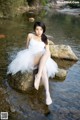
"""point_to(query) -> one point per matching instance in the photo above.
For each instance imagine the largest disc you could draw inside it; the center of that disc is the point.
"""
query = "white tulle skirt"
(24, 61)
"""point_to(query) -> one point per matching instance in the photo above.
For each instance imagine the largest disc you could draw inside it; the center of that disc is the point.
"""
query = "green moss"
(44, 2)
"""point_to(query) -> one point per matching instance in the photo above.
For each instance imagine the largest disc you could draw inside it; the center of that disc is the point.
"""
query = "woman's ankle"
(36, 82)
(47, 93)
(48, 100)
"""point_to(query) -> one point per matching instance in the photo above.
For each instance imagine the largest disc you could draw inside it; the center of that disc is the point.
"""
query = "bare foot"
(37, 82)
(48, 100)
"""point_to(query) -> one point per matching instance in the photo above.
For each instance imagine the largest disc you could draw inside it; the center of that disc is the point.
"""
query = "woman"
(37, 55)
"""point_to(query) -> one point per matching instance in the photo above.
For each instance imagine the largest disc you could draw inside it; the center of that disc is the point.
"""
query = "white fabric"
(24, 59)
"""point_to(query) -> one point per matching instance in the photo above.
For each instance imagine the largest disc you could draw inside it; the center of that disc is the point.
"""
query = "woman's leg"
(42, 63)
(45, 82)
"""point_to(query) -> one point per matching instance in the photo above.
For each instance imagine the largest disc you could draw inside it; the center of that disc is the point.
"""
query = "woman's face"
(38, 31)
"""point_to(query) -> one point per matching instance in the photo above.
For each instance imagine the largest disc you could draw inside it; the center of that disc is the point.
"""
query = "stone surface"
(25, 82)
(61, 74)
(22, 82)
(31, 19)
(62, 52)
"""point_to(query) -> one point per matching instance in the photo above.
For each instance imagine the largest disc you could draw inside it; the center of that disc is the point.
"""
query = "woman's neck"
(38, 37)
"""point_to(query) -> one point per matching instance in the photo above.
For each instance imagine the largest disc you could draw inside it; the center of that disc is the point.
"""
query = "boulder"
(62, 52)
(61, 74)
(51, 43)
(31, 19)
(25, 82)
(22, 82)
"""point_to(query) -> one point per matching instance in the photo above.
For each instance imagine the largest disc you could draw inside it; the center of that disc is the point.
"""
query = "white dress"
(24, 60)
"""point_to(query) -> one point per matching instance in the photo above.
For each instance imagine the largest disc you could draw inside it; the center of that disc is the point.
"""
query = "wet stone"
(25, 82)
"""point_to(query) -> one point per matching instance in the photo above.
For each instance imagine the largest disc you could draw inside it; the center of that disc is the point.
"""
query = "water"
(65, 29)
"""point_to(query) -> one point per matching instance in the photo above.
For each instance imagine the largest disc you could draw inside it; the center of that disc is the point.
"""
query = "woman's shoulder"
(30, 35)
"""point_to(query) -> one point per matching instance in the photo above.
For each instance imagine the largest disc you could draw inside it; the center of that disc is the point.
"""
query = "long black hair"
(42, 25)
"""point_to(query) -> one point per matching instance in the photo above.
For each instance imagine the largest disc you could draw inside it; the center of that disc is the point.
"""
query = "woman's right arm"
(29, 36)
(28, 39)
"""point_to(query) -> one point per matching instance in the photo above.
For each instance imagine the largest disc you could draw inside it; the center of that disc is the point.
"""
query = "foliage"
(74, 5)
(44, 2)
(37, 2)
(8, 7)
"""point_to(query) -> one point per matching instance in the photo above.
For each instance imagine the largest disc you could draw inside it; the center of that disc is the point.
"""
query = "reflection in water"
(65, 30)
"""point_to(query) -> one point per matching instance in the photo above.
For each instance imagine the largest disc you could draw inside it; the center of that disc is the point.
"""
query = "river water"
(65, 29)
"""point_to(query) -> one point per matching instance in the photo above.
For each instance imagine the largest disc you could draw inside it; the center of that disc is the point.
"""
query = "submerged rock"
(25, 82)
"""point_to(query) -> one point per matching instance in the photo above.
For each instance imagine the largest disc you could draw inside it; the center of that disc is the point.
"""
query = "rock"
(25, 82)
(62, 52)
(31, 19)
(12, 109)
(22, 82)
(61, 74)
(65, 64)
(50, 42)
(22, 9)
